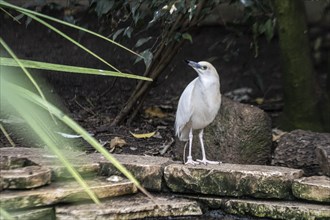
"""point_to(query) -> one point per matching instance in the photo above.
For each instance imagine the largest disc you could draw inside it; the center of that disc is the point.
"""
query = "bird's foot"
(191, 161)
(205, 162)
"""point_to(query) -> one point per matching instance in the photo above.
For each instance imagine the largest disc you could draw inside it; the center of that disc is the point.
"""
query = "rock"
(17, 156)
(147, 170)
(232, 180)
(323, 158)
(130, 207)
(269, 209)
(63, 192)
(41, 213)
(239, 134)
(297, 149)
(13, 162)
(25, 178)
(314, 188)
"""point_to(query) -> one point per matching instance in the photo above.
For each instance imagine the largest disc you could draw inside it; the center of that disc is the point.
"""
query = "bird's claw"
(191, 161)
(205, 162)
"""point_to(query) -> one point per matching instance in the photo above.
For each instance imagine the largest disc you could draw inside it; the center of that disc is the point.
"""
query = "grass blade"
(3, 3)
(68, 38)
(79, 130)
(42, 129)
(65, 68)
(11, 53)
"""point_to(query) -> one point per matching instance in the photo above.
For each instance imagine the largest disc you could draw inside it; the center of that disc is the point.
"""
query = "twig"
(10, 15)
(86, 109)
(7, 136)
(166, 147)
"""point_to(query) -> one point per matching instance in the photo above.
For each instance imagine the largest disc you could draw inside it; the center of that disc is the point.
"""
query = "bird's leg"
(189, 158)
(204, 160)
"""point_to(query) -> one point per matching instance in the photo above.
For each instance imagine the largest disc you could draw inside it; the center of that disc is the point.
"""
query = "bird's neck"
(209, 81)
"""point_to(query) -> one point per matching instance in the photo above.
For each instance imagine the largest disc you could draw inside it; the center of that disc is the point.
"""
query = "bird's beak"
(193, 64)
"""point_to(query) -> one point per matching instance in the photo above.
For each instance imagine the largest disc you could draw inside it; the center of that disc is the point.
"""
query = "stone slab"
(130, 207)
(268, 209)
(38, 156)
(34, 214)
(63, 192)
(232, 180)
(314, 188)
(146, 169)
(25, 178)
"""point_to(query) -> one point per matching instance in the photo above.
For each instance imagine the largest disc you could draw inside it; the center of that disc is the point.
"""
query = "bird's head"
(203, 68)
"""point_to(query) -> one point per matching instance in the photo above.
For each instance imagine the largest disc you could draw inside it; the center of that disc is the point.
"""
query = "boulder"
(297, 149)
(240, 133)
(323, 158)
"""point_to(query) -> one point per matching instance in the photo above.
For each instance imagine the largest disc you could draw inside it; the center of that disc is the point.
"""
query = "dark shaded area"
(299, 83)
(94, 101)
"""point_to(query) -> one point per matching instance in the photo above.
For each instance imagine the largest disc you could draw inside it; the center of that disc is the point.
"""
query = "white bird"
(198, 106)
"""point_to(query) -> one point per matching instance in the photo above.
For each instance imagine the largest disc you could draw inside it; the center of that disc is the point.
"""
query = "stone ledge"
(232, 180)
(37, 156)
(130, 207)
(146, 169)
(41, 213)
(25, 178)
(268, 209)
(63, 192)
(314, 188)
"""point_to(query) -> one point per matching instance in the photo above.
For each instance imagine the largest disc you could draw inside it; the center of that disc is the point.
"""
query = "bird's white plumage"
(199, 102)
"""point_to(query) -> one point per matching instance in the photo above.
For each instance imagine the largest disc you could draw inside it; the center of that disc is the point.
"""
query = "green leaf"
(187, 36)
(115, 35)
(5, 4)
(269, 29)
(128, 31)
(142, 41)
(147, 58)
(103, 6)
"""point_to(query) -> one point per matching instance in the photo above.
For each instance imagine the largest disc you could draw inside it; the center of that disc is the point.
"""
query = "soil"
(94, 101)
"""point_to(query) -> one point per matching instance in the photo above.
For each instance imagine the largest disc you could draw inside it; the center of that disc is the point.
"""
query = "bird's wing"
(184, 112)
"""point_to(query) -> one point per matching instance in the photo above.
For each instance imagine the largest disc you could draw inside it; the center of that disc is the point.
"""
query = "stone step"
(130, 207)
(38, 156)
(47, 213)
(314, 188)
(232, 180)
(268, 209)
(25, 178)
(63, 192)
(146, 169)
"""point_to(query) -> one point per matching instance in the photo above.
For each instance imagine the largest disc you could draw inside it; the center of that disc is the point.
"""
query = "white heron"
(198, 106)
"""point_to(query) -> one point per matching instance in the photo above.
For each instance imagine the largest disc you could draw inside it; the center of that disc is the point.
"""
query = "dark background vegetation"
(241, 42)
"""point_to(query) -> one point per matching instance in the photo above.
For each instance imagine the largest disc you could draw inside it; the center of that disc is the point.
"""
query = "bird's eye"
(204, 67)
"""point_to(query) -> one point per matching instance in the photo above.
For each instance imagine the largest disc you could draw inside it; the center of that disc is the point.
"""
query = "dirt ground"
(93, 101)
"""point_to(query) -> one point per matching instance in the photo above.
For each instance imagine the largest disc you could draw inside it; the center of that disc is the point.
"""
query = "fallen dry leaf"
(145, 135)
(116, 142)
(154, 112)
(259, 101)
(277, 134)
